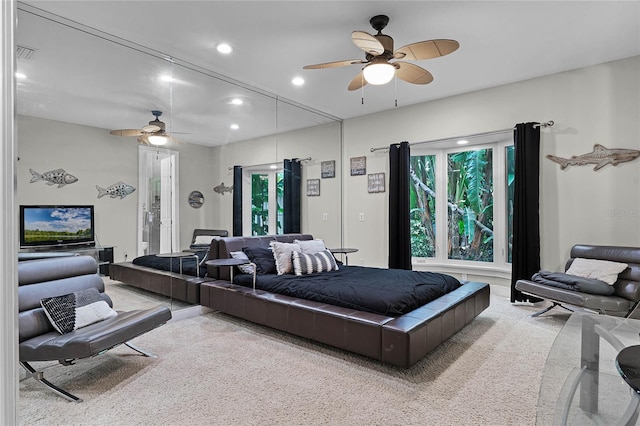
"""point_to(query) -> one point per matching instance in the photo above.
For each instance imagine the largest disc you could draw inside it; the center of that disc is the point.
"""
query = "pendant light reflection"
(157, 140)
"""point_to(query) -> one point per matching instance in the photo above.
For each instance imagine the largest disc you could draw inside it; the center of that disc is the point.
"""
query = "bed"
(161, 274)
(400, 333)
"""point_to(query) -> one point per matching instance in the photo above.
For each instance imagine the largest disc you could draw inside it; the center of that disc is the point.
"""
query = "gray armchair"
(40, 341)
(625, 300)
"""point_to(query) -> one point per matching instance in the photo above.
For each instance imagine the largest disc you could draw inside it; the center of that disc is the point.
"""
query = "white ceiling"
(77, 77)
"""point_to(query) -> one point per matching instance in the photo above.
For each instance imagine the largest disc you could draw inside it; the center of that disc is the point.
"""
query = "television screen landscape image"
(56, 225)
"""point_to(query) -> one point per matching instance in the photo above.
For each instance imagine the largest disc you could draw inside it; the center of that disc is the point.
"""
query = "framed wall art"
(358, 166)
(313, 187)
(328, 169)
(376, 182)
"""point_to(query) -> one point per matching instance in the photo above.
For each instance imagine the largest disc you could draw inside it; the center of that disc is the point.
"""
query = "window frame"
(498, 144)
(272, 176)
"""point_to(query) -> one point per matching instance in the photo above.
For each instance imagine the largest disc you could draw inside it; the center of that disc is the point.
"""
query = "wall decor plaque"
(376, 182)
(196, 199)
(358, 166)
(328, 169)
(313, 187)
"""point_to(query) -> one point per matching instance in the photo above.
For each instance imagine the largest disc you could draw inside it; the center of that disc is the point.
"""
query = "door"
(157, 206)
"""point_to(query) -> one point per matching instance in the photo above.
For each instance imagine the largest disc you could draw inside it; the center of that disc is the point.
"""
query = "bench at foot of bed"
(400, 341)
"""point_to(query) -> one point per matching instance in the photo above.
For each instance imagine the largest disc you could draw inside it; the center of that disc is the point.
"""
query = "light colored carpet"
(214, 369)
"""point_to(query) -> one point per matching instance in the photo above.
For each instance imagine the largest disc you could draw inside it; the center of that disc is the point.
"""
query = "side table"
(231, 263)
(182, 255)
(344, 251)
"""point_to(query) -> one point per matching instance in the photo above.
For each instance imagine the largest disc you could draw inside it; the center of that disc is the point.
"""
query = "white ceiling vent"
(24, 52)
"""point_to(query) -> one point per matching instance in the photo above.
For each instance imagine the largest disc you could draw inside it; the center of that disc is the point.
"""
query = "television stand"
(102, 254)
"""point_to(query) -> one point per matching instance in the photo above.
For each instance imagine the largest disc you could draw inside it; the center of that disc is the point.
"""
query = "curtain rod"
(493, 132)
(275, 162)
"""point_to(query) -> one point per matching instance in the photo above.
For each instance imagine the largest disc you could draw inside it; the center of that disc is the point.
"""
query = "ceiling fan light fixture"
(377, 74)
(157, 140)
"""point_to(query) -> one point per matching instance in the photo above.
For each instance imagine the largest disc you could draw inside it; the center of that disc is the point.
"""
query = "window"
(457, 215)
(266, 202)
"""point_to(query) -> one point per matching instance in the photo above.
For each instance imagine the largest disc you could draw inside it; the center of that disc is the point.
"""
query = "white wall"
(97, 158)
(599, 104)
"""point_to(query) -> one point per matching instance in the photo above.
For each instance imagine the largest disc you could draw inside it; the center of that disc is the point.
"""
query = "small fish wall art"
(53, 177)
(600, 156)
(221, 189)
(119, 189)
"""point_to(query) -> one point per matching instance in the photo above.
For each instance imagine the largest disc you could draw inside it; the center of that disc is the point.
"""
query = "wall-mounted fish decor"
(53, 177)
(600, 156)
(221, 189)
(119, 189)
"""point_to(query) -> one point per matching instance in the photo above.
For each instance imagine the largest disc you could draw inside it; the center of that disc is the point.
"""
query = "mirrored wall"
(76, 84)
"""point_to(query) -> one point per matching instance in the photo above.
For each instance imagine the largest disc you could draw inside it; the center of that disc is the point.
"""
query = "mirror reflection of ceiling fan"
(379, 51)
(152, 134)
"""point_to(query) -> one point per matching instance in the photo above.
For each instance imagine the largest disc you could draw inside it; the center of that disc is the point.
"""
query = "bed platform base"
(171, 284)
(400, 341)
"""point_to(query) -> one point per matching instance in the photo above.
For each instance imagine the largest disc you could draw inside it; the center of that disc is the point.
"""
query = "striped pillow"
(310, 263)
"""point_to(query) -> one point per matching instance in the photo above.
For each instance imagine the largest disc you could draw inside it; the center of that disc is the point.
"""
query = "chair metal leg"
(39, 376)
(140, 351)
(548, 308)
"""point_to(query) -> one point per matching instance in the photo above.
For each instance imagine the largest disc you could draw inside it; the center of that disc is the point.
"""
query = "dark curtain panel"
(526, 215)
(399, 234)
(291, 196)
(237, 201)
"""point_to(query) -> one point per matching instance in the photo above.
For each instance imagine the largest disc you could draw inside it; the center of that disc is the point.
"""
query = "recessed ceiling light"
(234, 127)
(236, 101)
(167, 78)
(20, 76)
(298, 81)
(273, 166)
(462, 142)
(224, 48)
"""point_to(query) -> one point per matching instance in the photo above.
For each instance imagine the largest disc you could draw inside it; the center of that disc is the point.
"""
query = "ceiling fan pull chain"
(395, 89)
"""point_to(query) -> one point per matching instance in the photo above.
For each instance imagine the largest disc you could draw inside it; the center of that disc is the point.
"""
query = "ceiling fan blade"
(428, 49)
(334, 64)
(151, 128)
(367, 42)
(126, 132)
(357, 82)
(412, 73)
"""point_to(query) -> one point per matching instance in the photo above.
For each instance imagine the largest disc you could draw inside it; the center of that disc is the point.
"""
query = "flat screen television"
(56, 226)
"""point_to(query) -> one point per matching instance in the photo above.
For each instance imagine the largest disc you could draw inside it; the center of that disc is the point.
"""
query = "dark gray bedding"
(573, 282)
(390, 292)
(172, 264)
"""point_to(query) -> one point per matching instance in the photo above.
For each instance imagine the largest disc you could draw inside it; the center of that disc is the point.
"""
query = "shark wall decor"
(600, 156)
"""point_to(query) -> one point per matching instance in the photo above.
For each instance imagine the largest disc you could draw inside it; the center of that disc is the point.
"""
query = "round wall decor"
(196, 199)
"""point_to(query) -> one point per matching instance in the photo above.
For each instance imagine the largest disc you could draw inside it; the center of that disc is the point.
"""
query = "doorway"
(157, 206)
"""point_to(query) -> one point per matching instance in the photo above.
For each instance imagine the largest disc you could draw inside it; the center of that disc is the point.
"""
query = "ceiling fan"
(152, 134)
(379, 51)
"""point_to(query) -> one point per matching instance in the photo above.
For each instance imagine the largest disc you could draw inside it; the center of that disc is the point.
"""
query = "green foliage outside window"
(470, 198)
(423, 206)
(511, 165)
(259, 204)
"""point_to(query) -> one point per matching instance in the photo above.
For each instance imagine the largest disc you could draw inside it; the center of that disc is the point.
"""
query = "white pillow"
(311, 246)
(203, 239)
(311, 263)
(602, 270)
(282, 256)
(245, 269)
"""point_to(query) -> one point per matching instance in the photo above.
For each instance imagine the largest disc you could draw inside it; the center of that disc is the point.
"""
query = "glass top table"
(581, 384)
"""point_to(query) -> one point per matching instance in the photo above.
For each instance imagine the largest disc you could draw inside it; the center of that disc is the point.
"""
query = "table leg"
(590, 361)
(253, 265)
(231, 274)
